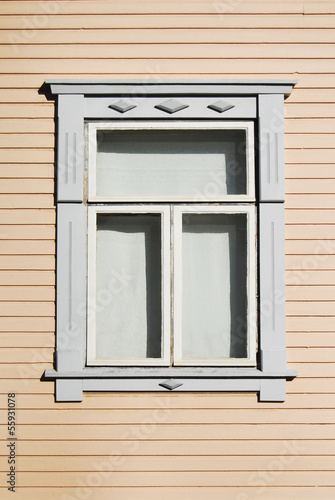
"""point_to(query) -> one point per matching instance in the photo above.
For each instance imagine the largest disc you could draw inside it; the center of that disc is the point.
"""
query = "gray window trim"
(217, 100)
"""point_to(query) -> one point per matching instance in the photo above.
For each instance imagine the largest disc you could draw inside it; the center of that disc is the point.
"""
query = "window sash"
(93, 127)
(175, 309)
(164, 211)
(179, 211)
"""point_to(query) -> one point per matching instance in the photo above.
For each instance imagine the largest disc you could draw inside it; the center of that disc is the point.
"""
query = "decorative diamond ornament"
(170, 384)
(221, 106)
(122, 106)
(172, 106)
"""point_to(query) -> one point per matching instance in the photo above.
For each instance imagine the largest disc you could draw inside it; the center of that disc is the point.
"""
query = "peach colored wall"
(196, 446)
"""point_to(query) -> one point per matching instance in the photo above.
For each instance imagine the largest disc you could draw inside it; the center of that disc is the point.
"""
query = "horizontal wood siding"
(181, 446)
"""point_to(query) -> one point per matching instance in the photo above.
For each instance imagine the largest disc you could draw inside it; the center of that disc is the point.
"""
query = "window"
(211, 263)
(170, 238)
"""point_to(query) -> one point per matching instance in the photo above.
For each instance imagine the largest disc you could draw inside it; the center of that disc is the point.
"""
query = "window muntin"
(171, 162)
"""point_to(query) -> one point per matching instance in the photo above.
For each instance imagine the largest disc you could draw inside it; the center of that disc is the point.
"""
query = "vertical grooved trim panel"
(71, 286)
(272, 286)
(70, 164)
(271, 148)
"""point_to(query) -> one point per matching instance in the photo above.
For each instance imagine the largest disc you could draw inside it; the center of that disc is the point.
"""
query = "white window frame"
(179, 211)
(248, 126)
(175, 271)
(164, 211)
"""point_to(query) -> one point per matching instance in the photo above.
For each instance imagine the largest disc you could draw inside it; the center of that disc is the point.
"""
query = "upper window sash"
(210, 187)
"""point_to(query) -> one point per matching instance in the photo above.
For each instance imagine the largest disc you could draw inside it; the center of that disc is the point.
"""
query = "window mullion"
(177, 283)
(166, 284)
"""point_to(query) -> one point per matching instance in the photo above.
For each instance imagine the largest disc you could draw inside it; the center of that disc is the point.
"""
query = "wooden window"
(154, 162)
(171, 195)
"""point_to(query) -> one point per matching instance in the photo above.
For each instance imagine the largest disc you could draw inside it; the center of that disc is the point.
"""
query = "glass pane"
(192, 164)
(214, 286)
(128, 286)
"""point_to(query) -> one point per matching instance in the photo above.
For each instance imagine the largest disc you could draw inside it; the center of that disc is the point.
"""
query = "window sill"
(270, 385)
